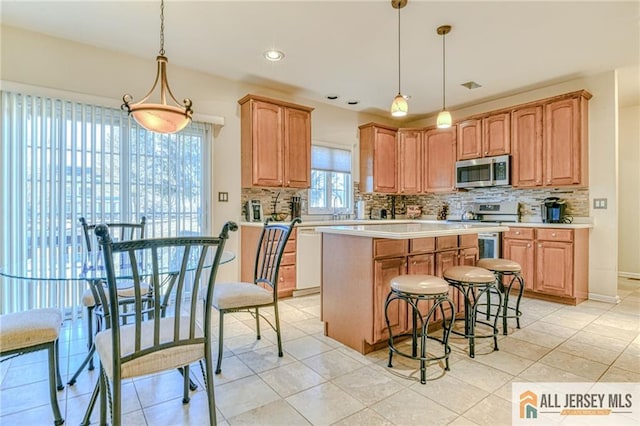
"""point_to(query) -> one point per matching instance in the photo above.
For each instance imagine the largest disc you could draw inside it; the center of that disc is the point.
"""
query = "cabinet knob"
(414, 263)
(528, 245)
(517, 232)
(540, 245)
(486, 153)
(553, 234)
(548, 180)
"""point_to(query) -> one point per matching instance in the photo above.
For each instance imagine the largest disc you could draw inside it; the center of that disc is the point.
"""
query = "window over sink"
(331, 184)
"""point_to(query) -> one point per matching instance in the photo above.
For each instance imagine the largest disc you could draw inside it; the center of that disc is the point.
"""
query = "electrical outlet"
(223, 197)
(599, 203)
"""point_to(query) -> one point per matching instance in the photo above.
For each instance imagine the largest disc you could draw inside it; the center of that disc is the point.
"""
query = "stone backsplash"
(458, 202)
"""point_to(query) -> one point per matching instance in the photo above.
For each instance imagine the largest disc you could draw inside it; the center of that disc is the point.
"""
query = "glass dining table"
(91, 270)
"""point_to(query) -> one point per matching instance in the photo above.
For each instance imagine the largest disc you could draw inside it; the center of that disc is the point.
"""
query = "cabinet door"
(439, 160)
(521, 251)
(554, 268)
(384, 161)
(286, 280)
(444, 261)
(410, 161)
(496, 134)
(423, 264)
(562, 142)
(297, 148)
(526, 162)
(268, 144)
(384, 271)
(468, 256)
(469, 139)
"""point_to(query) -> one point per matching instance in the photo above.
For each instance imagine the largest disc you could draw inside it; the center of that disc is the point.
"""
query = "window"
(331, 187)
(63, 160)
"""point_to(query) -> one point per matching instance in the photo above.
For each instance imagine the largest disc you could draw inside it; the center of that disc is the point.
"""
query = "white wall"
(629, 185)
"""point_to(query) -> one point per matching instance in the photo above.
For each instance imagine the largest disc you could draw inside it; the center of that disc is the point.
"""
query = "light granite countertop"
(415, 229)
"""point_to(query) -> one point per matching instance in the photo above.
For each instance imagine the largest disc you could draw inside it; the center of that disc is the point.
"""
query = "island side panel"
(347, 289)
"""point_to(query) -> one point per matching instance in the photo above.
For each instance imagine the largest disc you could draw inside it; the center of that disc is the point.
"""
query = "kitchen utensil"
(468, 215)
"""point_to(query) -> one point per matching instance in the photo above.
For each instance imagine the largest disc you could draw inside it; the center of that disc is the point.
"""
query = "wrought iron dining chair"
(263, 291)
(153, 340)
(30, 331)
(123, 232)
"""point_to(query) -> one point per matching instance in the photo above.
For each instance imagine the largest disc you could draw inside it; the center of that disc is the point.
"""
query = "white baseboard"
(602, 298)
(631, 275)
(306, 291)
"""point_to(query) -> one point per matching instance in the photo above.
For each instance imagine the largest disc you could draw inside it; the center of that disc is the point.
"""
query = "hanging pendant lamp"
(160, 117)
(399, 106)
(444, 117)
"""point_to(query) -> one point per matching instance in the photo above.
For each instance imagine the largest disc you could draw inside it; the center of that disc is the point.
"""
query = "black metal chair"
(157, 338)
(30, 331)
(508, 273)
(263, 291)
(120, 232)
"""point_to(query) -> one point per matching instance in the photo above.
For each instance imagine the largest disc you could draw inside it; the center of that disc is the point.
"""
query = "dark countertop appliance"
(553, 210)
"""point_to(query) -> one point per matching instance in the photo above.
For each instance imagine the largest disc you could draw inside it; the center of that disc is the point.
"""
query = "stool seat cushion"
(469, 274)
(29, 328)
(419, 284)
(499, 265)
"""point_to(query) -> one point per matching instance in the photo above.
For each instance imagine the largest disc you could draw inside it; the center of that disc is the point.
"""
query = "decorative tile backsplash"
(458, 202)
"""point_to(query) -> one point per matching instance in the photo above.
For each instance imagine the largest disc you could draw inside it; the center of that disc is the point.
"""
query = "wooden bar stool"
(505, 268)
(413, 289)
(474, 282)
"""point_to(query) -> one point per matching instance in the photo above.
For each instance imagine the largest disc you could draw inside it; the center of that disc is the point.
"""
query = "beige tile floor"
(319, 381)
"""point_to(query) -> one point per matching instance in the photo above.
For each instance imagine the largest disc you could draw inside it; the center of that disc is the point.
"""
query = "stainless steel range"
(494, 213)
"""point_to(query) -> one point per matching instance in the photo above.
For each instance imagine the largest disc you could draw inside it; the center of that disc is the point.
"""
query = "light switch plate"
(599, 203)
(223, 197)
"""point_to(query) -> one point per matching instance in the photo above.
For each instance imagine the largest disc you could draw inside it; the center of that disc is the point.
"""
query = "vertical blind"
(62, 160)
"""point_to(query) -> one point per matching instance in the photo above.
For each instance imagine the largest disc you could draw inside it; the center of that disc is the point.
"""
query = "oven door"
(489, 245)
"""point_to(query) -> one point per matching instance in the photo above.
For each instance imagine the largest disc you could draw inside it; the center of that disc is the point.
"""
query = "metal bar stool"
(474, 282)
(505, 268)
(413, 289)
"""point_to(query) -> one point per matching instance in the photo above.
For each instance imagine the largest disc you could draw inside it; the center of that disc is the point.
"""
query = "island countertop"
(402, 231)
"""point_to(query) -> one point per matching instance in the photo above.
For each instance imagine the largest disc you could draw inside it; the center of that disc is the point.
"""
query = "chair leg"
(88, 360)
(275, 310)
(116, 407)
(185, 393)
(86, 420)
(89, 338)
(257, 324)
(103, 399)
(53, 394)
(208, 380)
(58, 377)
(220, 339)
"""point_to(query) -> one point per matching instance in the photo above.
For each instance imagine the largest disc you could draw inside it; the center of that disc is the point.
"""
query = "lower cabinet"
(385, 270)
(249, 236)
(554, 261)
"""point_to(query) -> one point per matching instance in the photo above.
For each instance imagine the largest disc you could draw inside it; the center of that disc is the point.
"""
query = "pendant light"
(444, 118)
(399, 107)
(160, 117)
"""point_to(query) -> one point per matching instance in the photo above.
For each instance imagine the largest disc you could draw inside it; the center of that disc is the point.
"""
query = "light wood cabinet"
(275, 143)
(554, 261)
(249, 236)
(439, 151)
(410, 164)
(484, 136)
(378, 159)
(385, 270)
(550, 142)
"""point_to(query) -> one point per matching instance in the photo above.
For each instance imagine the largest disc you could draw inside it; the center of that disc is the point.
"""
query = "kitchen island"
(358, 262)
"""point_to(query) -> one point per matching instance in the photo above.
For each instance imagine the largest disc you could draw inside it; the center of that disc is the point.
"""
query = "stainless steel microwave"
(479, 172)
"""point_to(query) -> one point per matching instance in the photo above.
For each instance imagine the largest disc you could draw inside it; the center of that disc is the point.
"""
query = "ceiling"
(350, 48)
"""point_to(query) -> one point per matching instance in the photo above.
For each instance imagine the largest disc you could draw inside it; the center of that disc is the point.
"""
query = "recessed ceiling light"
(273, 55)
(353, 102)
(471, 85)
(332, 97)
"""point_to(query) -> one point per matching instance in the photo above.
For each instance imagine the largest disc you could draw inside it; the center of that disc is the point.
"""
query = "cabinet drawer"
(291, 246)
(288, 259)
(548, 234)
(446, 243)
(519, 233)
(287, 278)
(418, 245)
(388, 248)
(469, 240)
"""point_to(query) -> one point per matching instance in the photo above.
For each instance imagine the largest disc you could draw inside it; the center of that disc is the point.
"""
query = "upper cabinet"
(276, 143)
(439, 160)
(484, 136)
(378, 158)
(550, 142)
(410, 163)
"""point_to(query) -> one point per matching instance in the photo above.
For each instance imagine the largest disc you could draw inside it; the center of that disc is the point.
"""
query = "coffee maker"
(552, 210)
